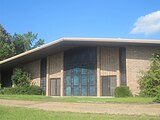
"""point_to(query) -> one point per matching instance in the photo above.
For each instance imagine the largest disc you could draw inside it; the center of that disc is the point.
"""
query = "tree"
(150, 80)
(7, 48)
(4, 35)
(38, 43)
(25, 42)
(18, 43)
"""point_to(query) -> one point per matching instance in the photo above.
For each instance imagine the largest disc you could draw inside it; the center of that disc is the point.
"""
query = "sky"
(54, 19)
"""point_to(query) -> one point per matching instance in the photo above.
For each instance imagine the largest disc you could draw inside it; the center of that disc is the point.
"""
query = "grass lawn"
(129, 100)
(15, 113)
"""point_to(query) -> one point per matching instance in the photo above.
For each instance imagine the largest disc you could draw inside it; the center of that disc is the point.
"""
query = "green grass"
(15, 113)
(25, 97)
(129, 100)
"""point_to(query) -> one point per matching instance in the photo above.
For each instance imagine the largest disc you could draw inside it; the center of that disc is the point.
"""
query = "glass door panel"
(84, 90)
(76, 90)
(84, 80)
(68, 91)
(76, 80)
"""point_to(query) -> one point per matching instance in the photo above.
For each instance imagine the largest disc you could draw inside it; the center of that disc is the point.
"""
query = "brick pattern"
(55, 65)
(34, 69)
(137, 60)
(109, 58)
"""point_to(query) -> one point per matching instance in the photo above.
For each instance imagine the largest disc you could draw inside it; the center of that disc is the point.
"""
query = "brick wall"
(137, 60)
(109, 61)
(34, 69)
(55, 65)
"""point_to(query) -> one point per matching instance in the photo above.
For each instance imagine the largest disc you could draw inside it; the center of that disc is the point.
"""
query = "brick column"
(62, 74)
(47, 79)
(118, 72)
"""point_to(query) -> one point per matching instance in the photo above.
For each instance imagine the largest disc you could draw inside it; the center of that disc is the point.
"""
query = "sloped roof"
(68, 43)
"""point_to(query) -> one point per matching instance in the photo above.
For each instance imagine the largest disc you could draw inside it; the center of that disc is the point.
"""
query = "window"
(80, 72)
(122, 65)
(43, 74)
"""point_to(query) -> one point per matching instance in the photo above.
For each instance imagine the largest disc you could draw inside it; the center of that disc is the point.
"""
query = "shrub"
(122, 91)
(157, 98)
(15, 90)
(35, 90)
(1, 90)
(150, 80)
(9, 91)
(31, 90)
(20, 78)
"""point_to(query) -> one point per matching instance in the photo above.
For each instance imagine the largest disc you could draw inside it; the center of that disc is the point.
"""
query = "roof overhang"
(68, 43)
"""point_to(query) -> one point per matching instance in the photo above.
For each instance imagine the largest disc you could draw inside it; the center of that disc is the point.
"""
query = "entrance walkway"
(130, 109)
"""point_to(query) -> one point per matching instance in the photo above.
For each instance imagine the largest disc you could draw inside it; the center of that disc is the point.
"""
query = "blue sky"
(53, 19)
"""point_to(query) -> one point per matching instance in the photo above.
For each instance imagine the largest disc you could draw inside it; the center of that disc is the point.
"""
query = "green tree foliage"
(18, 43)
(4, 35)
(22, 84)
(20, 78)
(150, 80)
(38, 43)
(7, 48)
(24, 42)
(157, 97)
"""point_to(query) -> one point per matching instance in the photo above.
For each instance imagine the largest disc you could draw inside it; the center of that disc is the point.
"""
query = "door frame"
(56, 79)
(109, 76)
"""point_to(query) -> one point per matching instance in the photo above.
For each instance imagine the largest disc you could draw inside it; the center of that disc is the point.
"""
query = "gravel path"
(130, 109)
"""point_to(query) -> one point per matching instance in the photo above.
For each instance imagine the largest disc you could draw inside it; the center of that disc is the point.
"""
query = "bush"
(122, 91)
(35, 90)
(1, 90)
(15, 90)
(20, 78)
(150, 80)
(157, 98)
(31, 90)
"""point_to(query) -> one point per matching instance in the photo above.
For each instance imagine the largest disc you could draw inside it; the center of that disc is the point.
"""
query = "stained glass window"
(80, 72)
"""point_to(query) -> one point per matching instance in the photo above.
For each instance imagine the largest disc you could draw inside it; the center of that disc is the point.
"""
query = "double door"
(55, 87)
(108, 85)
(80, 81)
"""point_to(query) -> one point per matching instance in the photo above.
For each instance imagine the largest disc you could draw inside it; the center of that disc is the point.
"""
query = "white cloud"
(148, 24)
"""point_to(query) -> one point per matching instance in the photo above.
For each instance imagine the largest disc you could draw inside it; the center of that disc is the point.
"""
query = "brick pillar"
(62, 78)
(47, 78)
(118, 72)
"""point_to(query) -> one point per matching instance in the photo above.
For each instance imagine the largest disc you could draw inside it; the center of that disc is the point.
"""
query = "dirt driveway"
(130, 109)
